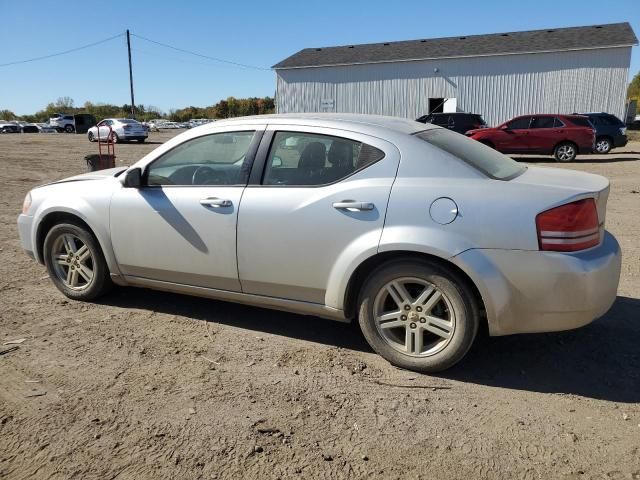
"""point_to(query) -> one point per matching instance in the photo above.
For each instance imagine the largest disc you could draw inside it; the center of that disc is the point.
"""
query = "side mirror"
(133, 178)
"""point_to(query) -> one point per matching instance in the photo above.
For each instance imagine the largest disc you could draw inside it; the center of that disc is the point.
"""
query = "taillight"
(570, 227)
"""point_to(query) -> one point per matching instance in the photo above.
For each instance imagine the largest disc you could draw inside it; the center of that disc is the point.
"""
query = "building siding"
(498, 87)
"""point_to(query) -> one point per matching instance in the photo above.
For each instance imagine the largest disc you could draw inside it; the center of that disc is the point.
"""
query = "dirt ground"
(153, 385)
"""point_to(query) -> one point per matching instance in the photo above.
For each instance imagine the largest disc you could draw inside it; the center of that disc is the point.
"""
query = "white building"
(562, 70)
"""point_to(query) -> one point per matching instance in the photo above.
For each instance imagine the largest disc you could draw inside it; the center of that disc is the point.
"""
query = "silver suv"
(63, 123)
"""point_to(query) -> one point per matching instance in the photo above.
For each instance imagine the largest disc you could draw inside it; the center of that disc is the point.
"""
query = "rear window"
(485, 159)
(580, 121)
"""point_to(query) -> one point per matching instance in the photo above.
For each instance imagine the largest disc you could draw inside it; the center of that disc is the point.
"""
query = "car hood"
(482, 129)
(97, 175)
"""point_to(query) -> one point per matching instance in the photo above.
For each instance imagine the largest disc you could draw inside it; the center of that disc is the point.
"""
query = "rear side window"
(580, 121)
(298, 158)
(485, 159)
(543, 122)
(610, 120)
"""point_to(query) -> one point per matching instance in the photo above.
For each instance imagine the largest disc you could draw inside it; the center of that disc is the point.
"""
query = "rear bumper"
(533, 291)
(620, 141)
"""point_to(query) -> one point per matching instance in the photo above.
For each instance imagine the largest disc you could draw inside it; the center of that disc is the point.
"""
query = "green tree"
(633, 92)
(7, 115)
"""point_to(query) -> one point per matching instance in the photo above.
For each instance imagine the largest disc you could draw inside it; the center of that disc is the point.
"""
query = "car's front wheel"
(603, 145)
(418, 315)
(91, 137)
(75, 262)
(69, 129)
(565, 152)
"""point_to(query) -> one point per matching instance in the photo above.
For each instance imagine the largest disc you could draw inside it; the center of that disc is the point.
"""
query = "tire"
(114, 137)
(453, 316)
(90, 136)
(69, 129)
(565, 152)
(141, 140)
(603, 145)
(81, 278)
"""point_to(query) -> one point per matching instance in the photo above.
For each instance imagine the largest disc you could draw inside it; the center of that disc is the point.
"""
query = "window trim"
(256, 178)
(249, 158)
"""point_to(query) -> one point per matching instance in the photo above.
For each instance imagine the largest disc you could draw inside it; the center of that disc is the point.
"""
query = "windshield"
(490, 162)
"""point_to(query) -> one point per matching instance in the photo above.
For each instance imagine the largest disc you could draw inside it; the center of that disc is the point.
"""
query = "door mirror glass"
(133, 178)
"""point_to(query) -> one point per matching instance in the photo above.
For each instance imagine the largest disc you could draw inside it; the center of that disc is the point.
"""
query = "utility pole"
(133, 103)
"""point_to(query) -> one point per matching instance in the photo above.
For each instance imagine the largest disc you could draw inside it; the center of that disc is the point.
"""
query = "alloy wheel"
(603, 146)
(566, 152)
(414, 317)
(73, 262)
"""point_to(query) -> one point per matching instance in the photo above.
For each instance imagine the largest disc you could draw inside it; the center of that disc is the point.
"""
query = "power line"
(62, 53)
(222, 60)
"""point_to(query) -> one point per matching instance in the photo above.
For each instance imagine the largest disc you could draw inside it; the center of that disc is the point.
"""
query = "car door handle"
(215, 202)
(352, 205)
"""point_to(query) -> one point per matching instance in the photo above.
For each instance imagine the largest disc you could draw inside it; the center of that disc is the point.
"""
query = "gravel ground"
(153, 385)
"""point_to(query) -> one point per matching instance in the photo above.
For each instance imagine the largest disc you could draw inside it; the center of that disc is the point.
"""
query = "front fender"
(89, 205)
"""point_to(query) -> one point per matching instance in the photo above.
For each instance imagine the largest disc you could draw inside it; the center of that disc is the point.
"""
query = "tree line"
(231, 107)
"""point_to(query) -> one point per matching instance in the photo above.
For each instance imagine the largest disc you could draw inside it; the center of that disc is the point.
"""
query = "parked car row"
(25, 127)
(563, 136)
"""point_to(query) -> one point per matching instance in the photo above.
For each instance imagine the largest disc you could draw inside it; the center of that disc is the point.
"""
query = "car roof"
(347, 121)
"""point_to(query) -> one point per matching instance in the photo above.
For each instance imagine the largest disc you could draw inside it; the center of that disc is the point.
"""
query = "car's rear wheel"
(114, 137)
(418, 315)
(91, 138)
(69, 129)
(75, 262)
(565, 152)
(603, 145)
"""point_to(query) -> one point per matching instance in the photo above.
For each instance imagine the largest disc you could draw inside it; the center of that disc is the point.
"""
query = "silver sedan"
(416, 232)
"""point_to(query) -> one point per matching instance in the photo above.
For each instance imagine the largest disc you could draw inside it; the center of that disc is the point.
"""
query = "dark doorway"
(436, 105)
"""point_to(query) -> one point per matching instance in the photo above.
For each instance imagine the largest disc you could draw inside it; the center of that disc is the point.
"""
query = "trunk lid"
(574, 185)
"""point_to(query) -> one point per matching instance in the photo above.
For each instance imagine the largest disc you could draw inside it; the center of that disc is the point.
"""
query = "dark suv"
(458, 122)
(611, 132)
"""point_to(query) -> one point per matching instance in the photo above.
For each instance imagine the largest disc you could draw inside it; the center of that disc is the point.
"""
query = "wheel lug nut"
(412, 325)
(423, 320)
(403, 317)
(419, 309)
(407, 307)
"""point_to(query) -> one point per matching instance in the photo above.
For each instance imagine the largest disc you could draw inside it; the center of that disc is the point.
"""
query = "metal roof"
(533, 41)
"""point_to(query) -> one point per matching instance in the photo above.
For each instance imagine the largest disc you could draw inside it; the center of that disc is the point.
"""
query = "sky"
(257, 33)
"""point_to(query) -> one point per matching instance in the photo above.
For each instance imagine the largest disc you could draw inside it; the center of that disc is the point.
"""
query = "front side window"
(481, 157)
(298, 158)
(543, 122)
(217, 159)
(519, 123)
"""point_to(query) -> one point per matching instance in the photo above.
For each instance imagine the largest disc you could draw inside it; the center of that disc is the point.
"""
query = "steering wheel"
(204, 175)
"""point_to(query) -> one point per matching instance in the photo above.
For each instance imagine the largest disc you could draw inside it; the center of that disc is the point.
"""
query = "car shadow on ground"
(147, 142)
(308, 328)
(601, 360)
(580, 159)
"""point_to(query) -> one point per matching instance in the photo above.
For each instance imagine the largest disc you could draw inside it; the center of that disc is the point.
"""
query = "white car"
(46, 128)
(118, 130)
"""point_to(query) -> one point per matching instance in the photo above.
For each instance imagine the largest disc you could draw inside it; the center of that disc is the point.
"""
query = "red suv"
(564, 136)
